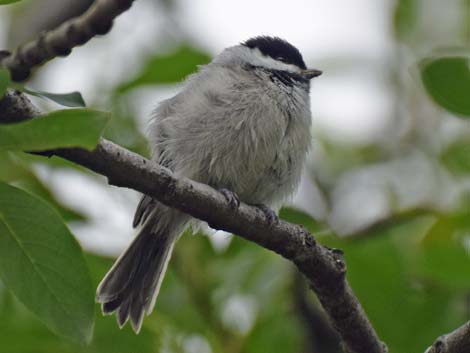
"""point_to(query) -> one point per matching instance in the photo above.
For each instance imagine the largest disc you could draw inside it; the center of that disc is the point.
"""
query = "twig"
(15, 107)
(324, 268)
(97, 20)
(32, 19)
(457, 341)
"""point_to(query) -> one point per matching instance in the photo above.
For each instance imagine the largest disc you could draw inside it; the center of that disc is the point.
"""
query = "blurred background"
(387, 179)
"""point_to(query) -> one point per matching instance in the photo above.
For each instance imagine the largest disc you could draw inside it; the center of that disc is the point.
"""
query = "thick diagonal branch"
(97, 20)
(324, 268)
(457, 341)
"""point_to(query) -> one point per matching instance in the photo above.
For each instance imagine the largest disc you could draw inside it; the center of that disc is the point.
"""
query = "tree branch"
(15, 107)
(32, 19)
(322, 338)
(324, 268)
(457, 341)
(97, 20)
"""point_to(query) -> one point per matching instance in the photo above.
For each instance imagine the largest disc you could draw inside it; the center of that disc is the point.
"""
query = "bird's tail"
(131, 286)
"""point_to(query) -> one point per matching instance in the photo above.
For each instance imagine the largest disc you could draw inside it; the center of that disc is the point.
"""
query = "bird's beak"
(311, 73)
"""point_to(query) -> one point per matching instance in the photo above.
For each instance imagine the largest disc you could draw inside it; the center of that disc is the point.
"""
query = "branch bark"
(320, 335)
(457, 341)
(324, 268)
(32, 19)
(97, 20)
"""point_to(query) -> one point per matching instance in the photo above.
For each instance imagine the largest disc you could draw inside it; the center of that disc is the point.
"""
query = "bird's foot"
(231, 197)
(271, 216)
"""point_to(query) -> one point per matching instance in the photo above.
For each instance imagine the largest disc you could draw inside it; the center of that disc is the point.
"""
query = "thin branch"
(15, 107)
(324, 268)
(321, 337)
(457, 341)
(32, 19)
(97, 20)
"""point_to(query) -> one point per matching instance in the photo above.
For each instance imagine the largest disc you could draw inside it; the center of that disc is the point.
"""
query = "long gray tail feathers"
(131, 286)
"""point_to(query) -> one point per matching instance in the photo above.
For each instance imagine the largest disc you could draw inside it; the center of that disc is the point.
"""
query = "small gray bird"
(240, 124)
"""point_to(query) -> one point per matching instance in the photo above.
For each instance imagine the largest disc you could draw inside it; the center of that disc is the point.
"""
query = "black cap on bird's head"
(281, 50)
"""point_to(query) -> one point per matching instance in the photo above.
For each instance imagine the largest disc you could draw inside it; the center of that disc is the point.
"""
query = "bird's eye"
(281, 58)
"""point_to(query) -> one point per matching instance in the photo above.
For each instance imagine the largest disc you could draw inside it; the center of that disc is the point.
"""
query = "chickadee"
(240, 124)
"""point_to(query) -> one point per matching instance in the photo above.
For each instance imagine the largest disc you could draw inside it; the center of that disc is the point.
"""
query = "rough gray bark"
(321, 337)
(33, 19)
(457, 341)
(324, 268)
(98, 19)
(15, 107)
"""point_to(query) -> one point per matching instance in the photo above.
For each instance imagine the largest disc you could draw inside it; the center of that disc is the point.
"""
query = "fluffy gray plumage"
(240, 123)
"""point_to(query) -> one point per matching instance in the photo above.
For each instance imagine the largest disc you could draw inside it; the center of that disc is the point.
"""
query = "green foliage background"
(410, 270)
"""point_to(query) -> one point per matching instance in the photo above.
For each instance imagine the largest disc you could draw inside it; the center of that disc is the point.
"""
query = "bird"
(241, 124)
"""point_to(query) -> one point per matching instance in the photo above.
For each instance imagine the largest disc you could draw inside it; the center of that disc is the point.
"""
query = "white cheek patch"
(257, 58)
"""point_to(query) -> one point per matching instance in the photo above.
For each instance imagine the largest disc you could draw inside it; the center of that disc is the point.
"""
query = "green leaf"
(4, 81)
(282, 333)
(297, 216)
(404, 18)
(398, 304)
(168, 68)
(22, 332)
(444, 252)
(456, 157)
(447, 81)
(18, 171)
(42, 264)
(72, 99)
(63, 128)
(124, 128)
(6, 2)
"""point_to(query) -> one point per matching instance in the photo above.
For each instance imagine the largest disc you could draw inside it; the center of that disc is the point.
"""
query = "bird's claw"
(231, 197)
(271, 216)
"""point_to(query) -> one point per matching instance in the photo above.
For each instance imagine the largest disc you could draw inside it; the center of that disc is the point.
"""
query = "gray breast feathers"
(247, 135)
